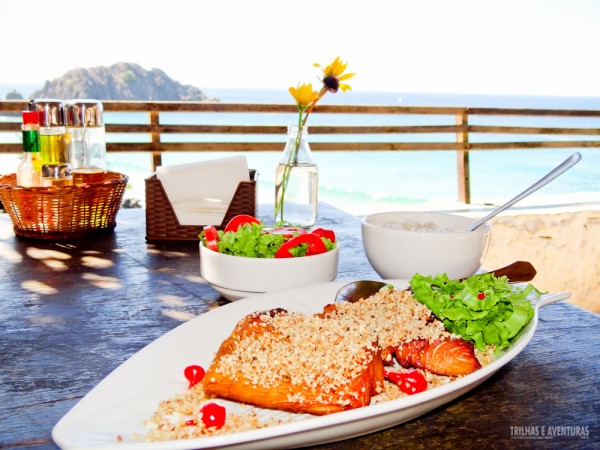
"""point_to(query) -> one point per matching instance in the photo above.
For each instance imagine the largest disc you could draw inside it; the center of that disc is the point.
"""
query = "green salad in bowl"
(247, 257)
(245, 235)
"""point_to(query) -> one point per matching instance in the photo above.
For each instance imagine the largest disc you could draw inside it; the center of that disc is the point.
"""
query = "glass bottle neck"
(294, 129)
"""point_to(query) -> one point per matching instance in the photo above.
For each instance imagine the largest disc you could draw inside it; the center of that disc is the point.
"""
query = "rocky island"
(121, 81)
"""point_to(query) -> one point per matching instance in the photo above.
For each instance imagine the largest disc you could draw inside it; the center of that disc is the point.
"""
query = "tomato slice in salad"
(322, 232)
(315, 246)
(211, 237)
(238, 221)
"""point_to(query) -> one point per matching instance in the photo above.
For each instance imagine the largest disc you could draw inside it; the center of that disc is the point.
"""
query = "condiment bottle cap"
(56, 170)
(83, 113)
(30, 117)
(50, 112)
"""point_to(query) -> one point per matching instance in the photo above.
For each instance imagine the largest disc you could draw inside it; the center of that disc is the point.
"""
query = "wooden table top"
(72, 312)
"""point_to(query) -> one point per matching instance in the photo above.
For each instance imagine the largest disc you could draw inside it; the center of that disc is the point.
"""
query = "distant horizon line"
(16, 85)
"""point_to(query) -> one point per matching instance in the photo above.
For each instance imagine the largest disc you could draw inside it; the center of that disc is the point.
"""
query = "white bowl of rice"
(401, 244)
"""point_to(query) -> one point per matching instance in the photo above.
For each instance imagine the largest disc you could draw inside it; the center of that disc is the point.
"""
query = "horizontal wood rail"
(459, 126)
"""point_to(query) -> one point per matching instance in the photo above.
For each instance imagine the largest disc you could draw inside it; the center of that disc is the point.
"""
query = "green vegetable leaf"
(250, 241)
(483, 308)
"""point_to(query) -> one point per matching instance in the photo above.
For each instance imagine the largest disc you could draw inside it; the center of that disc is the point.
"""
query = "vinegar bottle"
(86, 140)
(29, 170)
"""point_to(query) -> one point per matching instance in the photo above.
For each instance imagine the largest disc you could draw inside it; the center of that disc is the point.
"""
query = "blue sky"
(518, 47)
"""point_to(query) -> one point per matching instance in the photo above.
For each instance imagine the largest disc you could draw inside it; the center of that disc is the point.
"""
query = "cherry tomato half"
(315, 246)
(194, 374)
(238, 221)
(213, 415)
(410, 382)
(322, 232)
(211, 237)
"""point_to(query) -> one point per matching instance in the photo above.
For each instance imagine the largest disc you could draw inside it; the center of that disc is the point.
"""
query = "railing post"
(156, 155)
(462, 157)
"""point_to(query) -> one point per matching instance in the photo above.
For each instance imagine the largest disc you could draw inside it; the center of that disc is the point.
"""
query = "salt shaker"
(56, 175)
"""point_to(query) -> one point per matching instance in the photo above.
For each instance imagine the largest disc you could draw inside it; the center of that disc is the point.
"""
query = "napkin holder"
(161, 221)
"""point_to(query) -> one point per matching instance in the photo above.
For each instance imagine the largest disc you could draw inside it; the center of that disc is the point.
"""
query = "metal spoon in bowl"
(563, 167)
(519, 271)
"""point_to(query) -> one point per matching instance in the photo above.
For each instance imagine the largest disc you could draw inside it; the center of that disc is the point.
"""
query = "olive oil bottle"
(53, 142)
(53, 145)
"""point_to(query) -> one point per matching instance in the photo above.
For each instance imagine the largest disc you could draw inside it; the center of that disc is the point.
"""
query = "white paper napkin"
(201, 192)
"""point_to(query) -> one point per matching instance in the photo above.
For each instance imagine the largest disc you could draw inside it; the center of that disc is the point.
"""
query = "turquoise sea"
(367, 181)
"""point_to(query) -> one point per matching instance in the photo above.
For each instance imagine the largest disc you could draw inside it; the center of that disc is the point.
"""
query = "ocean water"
(369, 181)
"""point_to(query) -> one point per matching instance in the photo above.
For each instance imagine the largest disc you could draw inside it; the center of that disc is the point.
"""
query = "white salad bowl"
(402, 244)
(237, 277)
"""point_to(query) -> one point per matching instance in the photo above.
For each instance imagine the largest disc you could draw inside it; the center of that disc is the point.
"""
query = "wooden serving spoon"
(517, 272)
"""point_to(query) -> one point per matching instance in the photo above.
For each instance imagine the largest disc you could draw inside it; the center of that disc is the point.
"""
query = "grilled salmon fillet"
(332, 361)
(296, 363)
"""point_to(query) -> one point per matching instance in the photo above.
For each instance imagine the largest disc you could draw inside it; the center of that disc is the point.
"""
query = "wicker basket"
(161, 220)
(68, 212)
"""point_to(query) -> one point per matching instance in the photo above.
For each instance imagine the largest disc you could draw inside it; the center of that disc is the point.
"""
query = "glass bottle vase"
(297, 181)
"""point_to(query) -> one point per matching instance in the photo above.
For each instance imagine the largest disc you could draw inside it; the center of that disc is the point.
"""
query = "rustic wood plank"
(10, 127)
(282, 130)
(328, 129)
(533, 112)
(276, 146)
(11, 148)
(532, 145)
(156, 161)
(462, 158)
(149, 147)
(533, 130)
(174, 106)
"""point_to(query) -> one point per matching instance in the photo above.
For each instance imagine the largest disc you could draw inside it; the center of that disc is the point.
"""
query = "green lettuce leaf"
(250, 241)
(483, 309)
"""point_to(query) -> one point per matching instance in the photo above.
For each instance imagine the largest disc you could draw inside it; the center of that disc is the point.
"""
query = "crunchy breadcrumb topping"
(322, 351)
(180, 418)
(313, 352)
(394, 316)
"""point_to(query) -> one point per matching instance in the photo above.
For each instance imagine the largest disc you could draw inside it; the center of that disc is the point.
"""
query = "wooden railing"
(462, 126)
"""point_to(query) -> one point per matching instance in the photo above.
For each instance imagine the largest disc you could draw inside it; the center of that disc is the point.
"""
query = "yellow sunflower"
(304, 95)
(333, 74)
